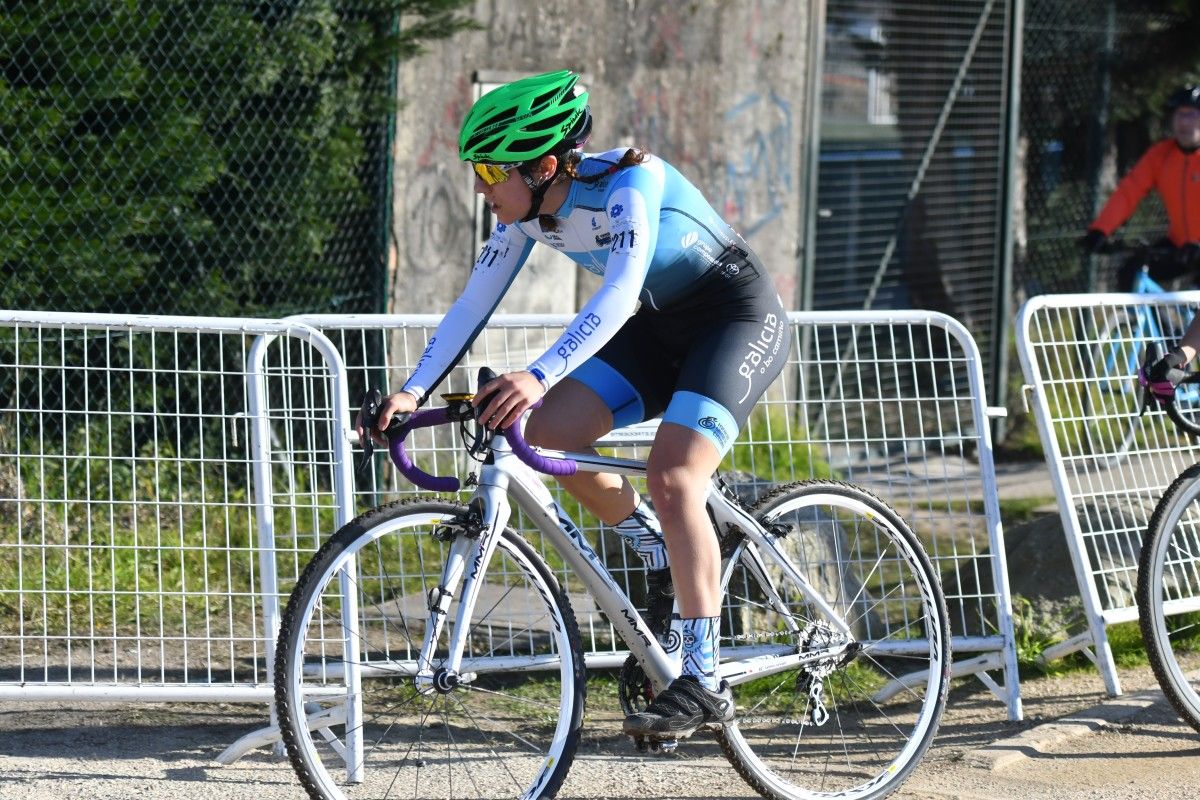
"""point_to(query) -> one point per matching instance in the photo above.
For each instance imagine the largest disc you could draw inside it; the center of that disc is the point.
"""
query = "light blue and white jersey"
(646, 229)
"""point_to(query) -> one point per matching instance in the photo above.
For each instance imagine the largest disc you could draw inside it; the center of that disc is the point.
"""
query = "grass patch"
(1013, 511)
(774, 446)
(1032, 638)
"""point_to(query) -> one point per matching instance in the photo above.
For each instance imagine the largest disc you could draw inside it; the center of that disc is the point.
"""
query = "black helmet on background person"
(1184, 96)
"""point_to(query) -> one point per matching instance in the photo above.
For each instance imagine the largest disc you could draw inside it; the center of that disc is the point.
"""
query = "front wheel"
(1168, 594)
(856, 723)
(506, 725)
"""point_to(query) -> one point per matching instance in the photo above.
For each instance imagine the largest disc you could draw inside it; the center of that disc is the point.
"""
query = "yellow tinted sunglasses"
(491, 174)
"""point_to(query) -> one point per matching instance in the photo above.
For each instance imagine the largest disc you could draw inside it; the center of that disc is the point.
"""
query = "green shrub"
(200, 158)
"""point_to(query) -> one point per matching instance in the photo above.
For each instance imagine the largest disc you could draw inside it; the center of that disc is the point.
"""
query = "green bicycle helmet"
(526, 119)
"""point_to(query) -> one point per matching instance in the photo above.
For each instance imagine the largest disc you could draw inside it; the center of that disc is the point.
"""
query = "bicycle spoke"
(493, 742)
(503, 762)
(818, 726)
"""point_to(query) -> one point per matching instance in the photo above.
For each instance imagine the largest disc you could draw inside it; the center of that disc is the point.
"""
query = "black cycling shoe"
(680, 710)
(660, 601)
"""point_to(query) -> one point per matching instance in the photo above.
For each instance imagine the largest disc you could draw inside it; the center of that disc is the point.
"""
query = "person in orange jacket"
(1172, 167)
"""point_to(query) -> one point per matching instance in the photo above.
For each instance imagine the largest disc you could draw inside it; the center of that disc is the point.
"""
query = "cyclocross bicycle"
(1110, 395)
(389, 683)
(1168, 587)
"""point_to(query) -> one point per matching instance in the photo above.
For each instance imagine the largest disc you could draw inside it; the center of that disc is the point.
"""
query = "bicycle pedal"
(647, 744)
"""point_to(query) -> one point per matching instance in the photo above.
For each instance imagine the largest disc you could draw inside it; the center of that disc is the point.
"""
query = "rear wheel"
(506, 725)
(855, 723)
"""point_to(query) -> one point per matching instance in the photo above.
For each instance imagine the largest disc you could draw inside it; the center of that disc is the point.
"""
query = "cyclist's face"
(509, 199)
(1185, 127)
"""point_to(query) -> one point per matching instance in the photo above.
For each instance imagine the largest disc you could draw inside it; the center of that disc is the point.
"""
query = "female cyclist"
(710, 336)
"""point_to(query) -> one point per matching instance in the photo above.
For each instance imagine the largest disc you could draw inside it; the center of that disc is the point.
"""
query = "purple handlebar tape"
(439, 416)
(550, 466)
(421, 419)
(1161, 390)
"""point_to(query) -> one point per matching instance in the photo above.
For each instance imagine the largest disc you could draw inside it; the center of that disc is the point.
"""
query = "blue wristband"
(541, 376)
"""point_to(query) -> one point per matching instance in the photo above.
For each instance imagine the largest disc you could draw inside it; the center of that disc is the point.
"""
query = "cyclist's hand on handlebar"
(505, 398)
(1092, 241)
(398, 403)
(1161, 377)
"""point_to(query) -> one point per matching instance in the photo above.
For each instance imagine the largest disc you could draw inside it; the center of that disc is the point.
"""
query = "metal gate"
(890, 400)
(134, 561)
(1109, 463)
(910, 193)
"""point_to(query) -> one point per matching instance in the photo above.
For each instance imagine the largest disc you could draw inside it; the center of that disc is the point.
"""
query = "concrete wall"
(716, 88)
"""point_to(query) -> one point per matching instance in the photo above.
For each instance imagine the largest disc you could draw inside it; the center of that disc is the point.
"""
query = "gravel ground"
(54, 751)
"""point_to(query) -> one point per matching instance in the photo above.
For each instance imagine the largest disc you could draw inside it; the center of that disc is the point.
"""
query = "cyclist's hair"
(632, 157)
(570, 166)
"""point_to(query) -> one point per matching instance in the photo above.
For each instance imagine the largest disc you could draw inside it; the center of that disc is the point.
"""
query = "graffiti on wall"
(438, 222)
(759, 177)
(747, 166)
(433, 232)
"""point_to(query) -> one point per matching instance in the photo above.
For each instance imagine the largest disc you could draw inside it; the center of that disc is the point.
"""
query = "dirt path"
(55, 752)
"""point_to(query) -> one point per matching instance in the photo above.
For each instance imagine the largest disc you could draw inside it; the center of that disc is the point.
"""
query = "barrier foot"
(971, 666)
(252, 741)
(1082, 641)
(319, 719)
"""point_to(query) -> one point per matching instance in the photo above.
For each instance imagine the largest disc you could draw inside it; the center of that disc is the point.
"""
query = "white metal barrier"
(144, 464)
(129, 540)
(893, 401)
(1109, 463)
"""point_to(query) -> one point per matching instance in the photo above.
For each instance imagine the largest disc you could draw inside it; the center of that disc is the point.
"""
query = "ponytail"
(569, 167)
(633, 156)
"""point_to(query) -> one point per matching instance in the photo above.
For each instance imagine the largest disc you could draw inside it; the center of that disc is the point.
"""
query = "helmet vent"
(551, 123)
(523, 120)
(531, 144)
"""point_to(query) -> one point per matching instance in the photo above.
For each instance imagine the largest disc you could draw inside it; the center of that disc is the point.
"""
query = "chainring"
(634, 691)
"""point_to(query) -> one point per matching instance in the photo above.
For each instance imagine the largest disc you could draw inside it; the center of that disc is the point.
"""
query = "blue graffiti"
(758, 174)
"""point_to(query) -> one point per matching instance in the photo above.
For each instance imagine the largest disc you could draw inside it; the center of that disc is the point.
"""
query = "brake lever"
(483, 434)
(368, 414)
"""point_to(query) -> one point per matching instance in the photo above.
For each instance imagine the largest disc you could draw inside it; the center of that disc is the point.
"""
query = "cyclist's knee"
(674, 485)
(571, 417)
(542, 430)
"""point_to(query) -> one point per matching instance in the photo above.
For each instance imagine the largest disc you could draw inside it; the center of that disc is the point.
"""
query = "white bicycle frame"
(467, 561)
(506, 476)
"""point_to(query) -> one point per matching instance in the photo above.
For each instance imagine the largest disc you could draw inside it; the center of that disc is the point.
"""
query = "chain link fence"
(216, 158)
(1081, 131)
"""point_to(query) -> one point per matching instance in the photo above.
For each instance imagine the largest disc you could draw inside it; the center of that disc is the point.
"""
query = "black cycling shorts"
(702, 362)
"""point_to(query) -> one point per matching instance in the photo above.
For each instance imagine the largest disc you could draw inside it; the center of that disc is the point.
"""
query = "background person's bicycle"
(834, 637)
(1168, 587)
(1110, 396)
